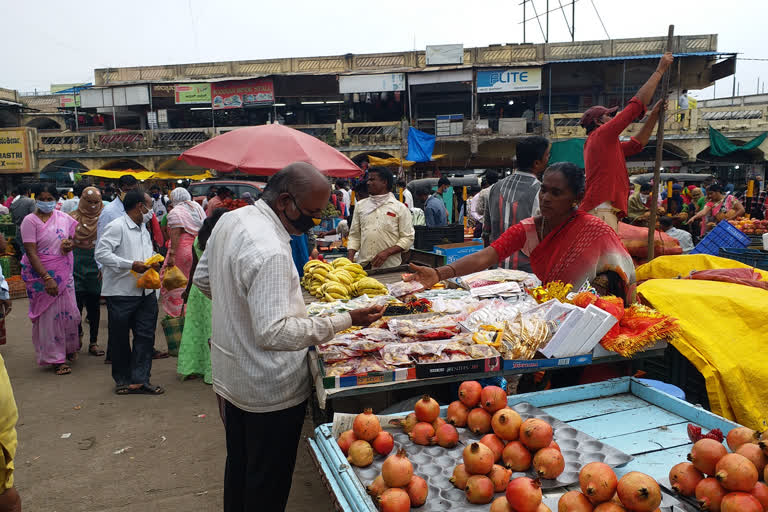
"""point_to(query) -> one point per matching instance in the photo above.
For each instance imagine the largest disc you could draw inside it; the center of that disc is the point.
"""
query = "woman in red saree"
(563, 243)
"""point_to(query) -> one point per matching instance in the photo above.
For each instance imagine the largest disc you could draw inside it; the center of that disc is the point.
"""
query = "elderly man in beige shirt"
(382, 226)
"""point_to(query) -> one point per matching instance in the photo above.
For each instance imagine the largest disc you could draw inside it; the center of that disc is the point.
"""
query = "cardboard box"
(536, 364)
(453, 252)
(427, 370)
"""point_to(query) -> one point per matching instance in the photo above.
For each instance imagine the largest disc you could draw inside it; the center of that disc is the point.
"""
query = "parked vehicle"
(200, 190)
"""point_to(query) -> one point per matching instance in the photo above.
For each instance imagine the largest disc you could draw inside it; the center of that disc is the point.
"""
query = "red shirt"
(604, 160)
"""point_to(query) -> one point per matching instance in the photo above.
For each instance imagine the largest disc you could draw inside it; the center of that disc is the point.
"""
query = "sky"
(53, 42)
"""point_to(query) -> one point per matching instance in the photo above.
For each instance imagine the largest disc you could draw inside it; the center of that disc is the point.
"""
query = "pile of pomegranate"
(397, 489)
(726, 482)
(424, 425)
(365, 439)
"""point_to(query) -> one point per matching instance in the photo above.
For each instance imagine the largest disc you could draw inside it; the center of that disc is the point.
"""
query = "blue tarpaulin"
(420, 145)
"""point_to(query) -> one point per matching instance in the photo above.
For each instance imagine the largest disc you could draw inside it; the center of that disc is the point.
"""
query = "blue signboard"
(503, 80)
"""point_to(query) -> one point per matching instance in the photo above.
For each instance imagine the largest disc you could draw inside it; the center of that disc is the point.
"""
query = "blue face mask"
(46, 206)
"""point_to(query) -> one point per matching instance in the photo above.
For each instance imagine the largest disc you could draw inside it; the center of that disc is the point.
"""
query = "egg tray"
(435, 464)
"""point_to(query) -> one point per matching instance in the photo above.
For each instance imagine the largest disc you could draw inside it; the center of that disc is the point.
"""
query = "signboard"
(372, 83)
(440, 77)
(163, 91)
(192, 93)
(115, 96)
(14, 151)
(69, 88)
(445, 54)
(504, 80)
(69, 100)
(242, 94)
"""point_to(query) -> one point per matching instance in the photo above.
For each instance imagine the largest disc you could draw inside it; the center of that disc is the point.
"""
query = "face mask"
(644, 197)
(46, 206)
(156, 196)
(146, 217)
(304, 222)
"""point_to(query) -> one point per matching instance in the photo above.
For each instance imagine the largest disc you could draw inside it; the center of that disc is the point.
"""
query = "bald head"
(296, 193)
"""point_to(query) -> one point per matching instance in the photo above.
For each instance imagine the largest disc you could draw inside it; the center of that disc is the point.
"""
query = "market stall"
(620, 435)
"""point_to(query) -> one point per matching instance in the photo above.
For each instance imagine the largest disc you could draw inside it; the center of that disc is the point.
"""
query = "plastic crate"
(427, 237)
(722, 236)
(752, 257)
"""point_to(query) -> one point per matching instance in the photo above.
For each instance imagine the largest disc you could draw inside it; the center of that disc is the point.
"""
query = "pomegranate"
(500, 477)
(478, 459)
(501, 505)
(705, 454)
(346, 439)
(447, 436)
(460, 477)
(438, 423)
(422, 433)
(739, 436)
(740, 502)
(426, 409)
(479, 421)
(543, 508)
(496, 445)
(366, 425)
(709, 494)
(535, 434)
(736, 473)
(383, 443)
(469, 393)
(639, 492)
(598, 482)
(493, 398)
(760, 491)
(684, 478)
(479, 489)
(554, 445)
(516, 456)
(548, 463)
(609, 506)
(397, 470)
(574, 501)
(755, 456)
(506, 424)
(765, 474)
(360, 453)
(457, 413)
(406, 423)
(394, 500)
(524, 494)
(377, 487)
(417, 491)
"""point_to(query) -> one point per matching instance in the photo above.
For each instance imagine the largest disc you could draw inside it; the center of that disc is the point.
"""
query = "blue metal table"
(624, 413)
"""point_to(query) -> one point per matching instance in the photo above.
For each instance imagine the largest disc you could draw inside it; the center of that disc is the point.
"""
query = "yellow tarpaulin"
(394, 162)
(723, 332)
(147, 175)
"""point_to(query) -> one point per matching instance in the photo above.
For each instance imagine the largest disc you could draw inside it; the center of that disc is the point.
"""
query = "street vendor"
(261, 332)
(607, 188)
(382, 227)
(564, 243)
(719, 207)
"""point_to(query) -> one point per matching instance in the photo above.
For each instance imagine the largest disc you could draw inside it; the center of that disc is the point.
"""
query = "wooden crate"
(17, 289)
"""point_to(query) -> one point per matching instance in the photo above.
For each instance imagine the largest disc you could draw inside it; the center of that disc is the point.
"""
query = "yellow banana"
(340, 262)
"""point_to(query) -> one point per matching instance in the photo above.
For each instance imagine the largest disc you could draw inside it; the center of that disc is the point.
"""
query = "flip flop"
(160, 355)
(144, 389)
(95, 350)
(62, 369)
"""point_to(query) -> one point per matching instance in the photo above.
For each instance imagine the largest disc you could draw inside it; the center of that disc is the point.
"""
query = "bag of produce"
(149, 280)
(174, 278)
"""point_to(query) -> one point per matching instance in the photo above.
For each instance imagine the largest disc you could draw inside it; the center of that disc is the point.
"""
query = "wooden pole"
(659, 151)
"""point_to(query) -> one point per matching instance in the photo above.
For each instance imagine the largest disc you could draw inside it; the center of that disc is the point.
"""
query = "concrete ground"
(83, 448)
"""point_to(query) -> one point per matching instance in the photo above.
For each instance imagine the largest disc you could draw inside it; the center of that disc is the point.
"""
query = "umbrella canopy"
(264, 150)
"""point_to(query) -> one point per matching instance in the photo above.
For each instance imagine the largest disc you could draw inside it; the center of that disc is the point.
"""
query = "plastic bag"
(150, 280)
(174, 278)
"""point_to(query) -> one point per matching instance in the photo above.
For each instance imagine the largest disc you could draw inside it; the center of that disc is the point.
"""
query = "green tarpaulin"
(719, 145)
(571, 150)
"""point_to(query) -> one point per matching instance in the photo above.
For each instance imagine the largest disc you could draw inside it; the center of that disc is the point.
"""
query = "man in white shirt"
(341, 186)
(124, 246)
(115, 209)
(382, 226)
(684, 237)
(158, 206)
(407, 195)
(260, 334)
(682, 104)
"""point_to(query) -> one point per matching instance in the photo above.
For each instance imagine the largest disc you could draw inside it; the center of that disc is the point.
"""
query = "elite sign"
(518, 79)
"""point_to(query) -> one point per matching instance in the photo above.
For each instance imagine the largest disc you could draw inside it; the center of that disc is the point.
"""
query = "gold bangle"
(47, 276)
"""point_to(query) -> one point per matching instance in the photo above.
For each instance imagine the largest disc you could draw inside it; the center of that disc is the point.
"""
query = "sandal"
(95, 350)
(62, 369)
(160, 355)
(121, 389)
(144, 389)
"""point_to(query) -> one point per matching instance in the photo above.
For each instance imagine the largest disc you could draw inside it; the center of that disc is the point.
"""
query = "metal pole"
(524, 1)
(623, 80)
(213, 118)
(547, 38)
(659, 152)
(733, 93)
(573, 21)
(77, 124)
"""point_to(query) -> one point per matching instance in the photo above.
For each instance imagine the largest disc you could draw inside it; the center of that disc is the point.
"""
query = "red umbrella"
(264, 150)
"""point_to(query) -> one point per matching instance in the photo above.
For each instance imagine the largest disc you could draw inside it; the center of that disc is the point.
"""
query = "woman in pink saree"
(184, 221)
(47, 271)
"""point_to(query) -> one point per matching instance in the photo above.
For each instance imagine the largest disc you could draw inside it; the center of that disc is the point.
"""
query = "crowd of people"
(246, 330)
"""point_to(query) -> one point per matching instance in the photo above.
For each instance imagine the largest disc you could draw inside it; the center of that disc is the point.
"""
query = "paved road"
(172, 446)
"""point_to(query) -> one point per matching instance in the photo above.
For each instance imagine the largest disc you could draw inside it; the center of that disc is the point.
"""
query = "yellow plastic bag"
(156, 258)
(150, 280)
(174, 278)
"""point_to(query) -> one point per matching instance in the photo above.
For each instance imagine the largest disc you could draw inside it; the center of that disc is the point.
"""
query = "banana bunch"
(368, 286)
(315, 273)
(332, 291)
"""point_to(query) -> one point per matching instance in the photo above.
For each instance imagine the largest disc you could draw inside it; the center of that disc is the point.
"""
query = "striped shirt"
(260, 327)
(511, 200)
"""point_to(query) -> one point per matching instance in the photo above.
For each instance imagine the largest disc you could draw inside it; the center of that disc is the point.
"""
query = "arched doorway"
(44, 123)
(62, 172)
(8, 119)
(123, 164)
